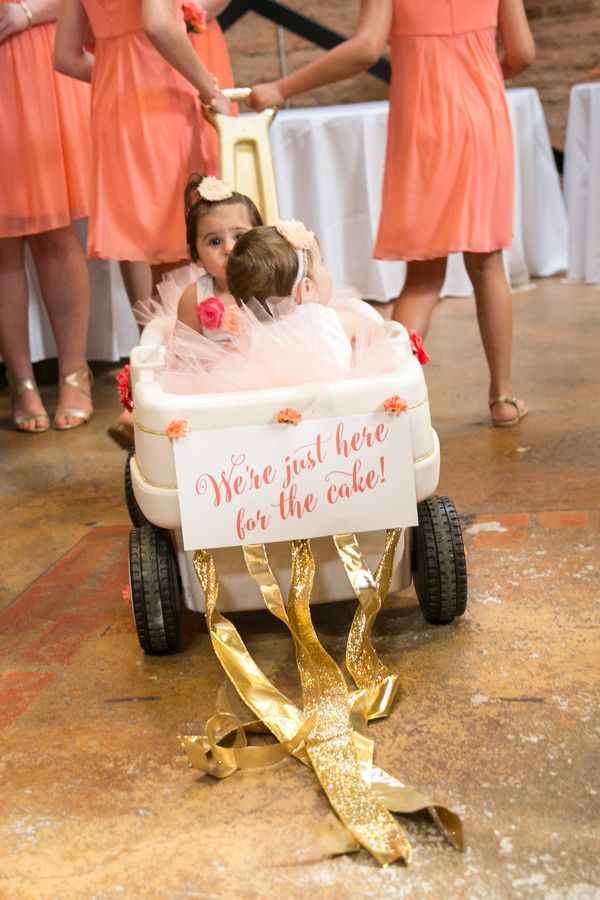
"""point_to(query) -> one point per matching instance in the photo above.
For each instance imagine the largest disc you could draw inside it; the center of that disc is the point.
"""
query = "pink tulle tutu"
(288, 345)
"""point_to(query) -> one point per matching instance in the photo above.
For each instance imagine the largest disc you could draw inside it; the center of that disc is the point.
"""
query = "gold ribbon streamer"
(206, 753)
(378, 685)
(323, 736)
(330, 745)
(279, 714)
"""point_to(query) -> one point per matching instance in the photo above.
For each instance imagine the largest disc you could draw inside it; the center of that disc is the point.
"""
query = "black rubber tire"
(438, 561)
(154, 589)
(133, 508)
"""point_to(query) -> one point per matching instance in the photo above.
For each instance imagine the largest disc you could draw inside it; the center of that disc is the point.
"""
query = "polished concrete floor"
(498, 712)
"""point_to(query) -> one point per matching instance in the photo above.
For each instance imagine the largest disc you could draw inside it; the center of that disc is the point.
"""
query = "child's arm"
(355, 55)
(186, 310)
(517, 40)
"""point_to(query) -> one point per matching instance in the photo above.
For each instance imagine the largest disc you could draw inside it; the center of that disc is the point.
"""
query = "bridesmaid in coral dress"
(45, 153)
(448, 181)
(147, 89)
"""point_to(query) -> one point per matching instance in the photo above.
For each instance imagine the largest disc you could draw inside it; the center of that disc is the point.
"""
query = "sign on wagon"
(263, 483)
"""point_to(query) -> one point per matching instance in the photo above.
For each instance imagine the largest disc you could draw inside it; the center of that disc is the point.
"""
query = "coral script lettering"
(259, 492)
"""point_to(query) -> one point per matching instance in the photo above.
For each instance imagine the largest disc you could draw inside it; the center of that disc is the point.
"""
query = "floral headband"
(301, 239)
(213, 190)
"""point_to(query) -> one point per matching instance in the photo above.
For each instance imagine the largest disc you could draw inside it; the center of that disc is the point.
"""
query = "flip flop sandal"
(508, 423)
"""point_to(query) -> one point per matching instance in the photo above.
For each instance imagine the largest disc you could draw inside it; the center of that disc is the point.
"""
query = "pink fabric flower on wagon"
(211, 313)
(395, 405)
(124, 388)
(416, 342)
(177, 429)
(194, 17)
(296, 233)
(289, 415)
(213, 189)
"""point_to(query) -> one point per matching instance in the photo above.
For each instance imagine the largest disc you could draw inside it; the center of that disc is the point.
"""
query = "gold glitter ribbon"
(330, 746)
(328, 734)
(378, 686)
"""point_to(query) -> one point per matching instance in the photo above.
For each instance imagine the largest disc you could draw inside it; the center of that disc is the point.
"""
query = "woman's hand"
(222, 104)
(265, 95)
(13, 20)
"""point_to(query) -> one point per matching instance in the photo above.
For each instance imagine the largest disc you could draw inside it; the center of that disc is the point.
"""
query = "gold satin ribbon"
(329, 733)
(329, 745)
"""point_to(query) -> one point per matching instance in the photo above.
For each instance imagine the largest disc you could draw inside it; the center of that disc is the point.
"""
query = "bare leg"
(137, 278)
(494, 316)
(64, 284)
(421, 291)
(14, 331)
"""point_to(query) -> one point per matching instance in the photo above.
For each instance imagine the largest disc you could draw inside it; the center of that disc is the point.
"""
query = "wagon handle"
(237, 93)
(242, 93)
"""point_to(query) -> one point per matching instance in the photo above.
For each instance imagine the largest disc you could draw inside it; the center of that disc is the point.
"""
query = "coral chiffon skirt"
(44, 138)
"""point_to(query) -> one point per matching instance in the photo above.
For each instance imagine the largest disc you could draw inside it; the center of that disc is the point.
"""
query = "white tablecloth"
(329, 168)
(582, 182)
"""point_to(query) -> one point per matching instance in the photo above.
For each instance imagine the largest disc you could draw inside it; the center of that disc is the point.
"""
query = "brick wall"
(567, 37)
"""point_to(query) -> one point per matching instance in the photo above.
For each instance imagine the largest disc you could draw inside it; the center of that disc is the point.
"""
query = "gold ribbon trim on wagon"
(329, 733)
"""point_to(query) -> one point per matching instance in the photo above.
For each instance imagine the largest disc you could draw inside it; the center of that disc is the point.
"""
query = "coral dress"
(448, 183)
(147, 139)
(44, 138)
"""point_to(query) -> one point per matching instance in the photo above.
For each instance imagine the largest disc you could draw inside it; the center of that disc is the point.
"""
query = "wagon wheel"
(154, 589)
(133, 508)
(438, 561)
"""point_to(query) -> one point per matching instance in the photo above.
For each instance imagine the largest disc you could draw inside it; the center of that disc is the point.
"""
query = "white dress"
(284, 345)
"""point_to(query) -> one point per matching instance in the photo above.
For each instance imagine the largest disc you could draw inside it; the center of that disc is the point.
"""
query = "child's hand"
(265, 95)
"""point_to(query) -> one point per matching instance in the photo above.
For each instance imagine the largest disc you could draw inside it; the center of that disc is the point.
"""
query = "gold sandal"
(19, 386)
(70, 411)
(521, 411)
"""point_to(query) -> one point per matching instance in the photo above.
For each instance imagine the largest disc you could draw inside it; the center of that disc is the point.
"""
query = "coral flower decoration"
(395, 405)
(194, 17)
(416, 342)
(289, 415)
(124, 388)
(177, 429)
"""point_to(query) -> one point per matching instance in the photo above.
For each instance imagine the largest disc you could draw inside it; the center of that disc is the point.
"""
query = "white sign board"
(263, 483)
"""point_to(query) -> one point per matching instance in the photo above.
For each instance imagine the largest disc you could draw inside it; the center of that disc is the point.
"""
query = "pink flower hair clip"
(295, 233)
(213, 189)
(395, 405)
(215, 316)
(289, 416)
